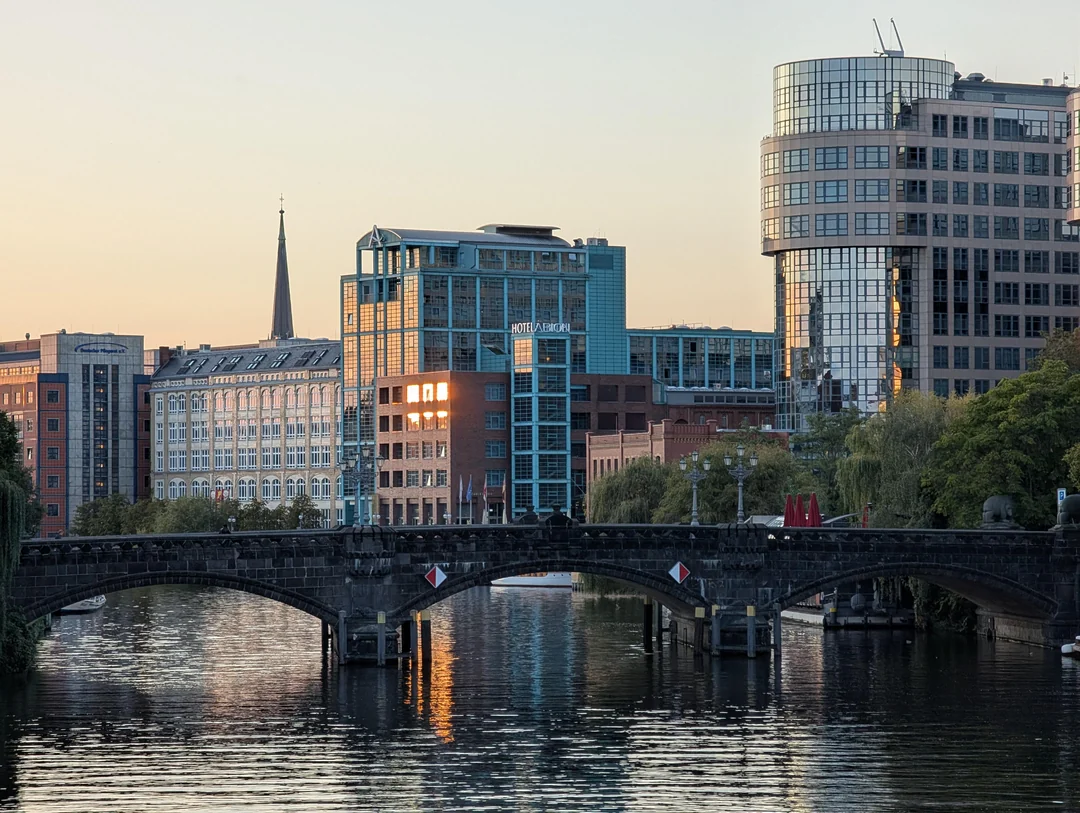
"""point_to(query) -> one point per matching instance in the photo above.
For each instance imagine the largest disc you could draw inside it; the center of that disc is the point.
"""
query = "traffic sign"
(679, 572)
(435, 576)
(1062, 494)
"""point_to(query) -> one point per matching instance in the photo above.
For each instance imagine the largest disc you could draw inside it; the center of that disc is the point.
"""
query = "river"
(184, 699)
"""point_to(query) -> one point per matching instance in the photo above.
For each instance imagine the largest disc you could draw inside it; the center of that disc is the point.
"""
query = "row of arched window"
(247, 488)
(317, 395)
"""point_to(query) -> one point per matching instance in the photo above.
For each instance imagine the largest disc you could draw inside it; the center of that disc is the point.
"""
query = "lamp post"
(695, 475)
(360, 469)
(740, 473)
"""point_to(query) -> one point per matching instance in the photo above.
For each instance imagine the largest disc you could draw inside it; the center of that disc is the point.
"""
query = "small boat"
(535, 580)
(89, 605)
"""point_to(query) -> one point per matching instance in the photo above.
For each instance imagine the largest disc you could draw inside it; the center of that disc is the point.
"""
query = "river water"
(183, 699)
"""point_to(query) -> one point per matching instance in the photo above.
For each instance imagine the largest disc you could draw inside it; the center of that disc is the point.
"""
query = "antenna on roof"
(888, 52)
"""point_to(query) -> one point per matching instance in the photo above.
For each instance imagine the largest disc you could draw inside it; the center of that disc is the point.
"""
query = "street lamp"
(695, 475)
(740, 473)
(232, 524)
(360, 470)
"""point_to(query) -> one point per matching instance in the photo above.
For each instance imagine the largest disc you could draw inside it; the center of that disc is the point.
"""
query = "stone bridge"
(1026, 584)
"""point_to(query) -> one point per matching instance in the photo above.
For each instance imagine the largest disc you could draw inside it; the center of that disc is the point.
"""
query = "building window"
(796, 194)
(1006, 358)
(830, 158)
(608, 392)
(1067, 296)
(770, 164)
(941, 387)
(495, 449)
(911, 157)
(52, 509)
(830, 192)
(494, 420)
(796, 226)
(53, 397)
(873, 190)
(959, 126)
(796, 160)
(1007, 325)
(939, 125)
(960, 160)
(831, 225)
(871, 158)
(494, 392)
(580, 421)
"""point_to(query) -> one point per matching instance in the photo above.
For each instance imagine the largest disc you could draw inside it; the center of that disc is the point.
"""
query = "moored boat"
(535, 580)
(89, 605)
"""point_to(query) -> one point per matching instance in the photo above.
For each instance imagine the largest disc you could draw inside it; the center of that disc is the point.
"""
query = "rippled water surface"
(181, 699)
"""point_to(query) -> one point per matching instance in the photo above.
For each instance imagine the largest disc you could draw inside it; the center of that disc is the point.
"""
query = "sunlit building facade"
(919, 226)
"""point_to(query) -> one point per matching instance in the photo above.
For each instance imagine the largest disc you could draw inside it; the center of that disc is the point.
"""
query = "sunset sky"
(143, 145)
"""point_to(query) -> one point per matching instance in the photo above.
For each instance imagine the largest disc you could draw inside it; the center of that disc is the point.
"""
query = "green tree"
(777, 474)
(105, 516)
(302, 512)
(1012, 440)
(17, 519)
(256, 516)
(630, 495)
(887, 457)
(1061, 345)
(191, 515)
(822, 448)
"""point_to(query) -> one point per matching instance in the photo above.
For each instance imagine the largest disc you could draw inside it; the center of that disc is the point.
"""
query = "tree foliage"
(822, 448)
(1012, 440)
(17, 518)
(887, 457)
(645, 491)
(1061, 345)
(115, 515)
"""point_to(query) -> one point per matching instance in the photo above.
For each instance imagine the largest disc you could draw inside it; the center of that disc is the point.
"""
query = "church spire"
(282, 327)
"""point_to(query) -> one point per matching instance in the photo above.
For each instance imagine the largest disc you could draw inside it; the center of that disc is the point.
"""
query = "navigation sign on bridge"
(435, 576)
(679, 572)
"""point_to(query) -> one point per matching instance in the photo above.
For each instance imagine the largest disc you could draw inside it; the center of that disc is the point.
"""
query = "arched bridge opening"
(69, 595)
(994, 594)
(661, 589)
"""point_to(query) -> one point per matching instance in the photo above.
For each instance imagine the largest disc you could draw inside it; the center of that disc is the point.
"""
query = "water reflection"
(187, 698)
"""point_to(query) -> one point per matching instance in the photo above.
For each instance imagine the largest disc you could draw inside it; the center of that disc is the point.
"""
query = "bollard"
(380, 632)
(425, 636)
(659, 626)
(414, 638)
(831, 621)
(715, 630)
(751, 631)
(325, 640)
(647, 617)
(699, 630)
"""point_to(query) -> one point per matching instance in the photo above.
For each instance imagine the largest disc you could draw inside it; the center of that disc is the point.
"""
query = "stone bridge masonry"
(1026, 584)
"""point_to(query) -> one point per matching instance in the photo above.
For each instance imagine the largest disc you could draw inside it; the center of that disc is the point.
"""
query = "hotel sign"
(540, 327)
(102, 348)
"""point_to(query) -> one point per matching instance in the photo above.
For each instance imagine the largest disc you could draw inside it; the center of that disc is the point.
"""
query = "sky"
(143, 145)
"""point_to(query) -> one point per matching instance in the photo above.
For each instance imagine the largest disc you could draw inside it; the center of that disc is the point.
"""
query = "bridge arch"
(662, 589)
(54, 602)
(995, 594)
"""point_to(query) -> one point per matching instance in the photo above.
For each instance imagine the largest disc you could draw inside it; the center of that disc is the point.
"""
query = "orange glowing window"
(429, 393)
(428, 416)
(412, 394)
(442, 391)
(442, 413)
(414, 417)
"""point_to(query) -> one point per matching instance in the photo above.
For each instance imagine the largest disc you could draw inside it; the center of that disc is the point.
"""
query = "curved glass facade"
(853, 93)
(846, 329)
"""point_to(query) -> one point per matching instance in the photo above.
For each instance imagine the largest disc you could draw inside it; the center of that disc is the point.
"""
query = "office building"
(524, 335)
(922, 225)
(80, 402)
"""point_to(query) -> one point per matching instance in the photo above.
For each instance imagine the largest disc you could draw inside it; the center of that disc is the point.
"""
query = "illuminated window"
(414, 420)
(412, 394)
(442, 391)
(428, 393)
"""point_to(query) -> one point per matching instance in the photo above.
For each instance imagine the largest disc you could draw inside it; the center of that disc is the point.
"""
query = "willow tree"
(630, 495)
(889, 455)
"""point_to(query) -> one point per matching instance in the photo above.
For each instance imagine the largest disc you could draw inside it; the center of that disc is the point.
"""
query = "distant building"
(81, 403)
(250, 422)
(924, 228)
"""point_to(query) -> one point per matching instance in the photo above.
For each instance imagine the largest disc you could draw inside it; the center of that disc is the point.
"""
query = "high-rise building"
(923, 228)
(80, 401)
(488, 357)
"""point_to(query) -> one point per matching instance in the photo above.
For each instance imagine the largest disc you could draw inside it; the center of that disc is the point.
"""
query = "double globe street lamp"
(695, 475)
(740, 473)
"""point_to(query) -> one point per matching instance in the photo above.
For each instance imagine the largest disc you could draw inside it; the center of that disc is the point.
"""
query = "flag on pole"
(485, 520)
(468, 491)
(460, 487)
(504, 499)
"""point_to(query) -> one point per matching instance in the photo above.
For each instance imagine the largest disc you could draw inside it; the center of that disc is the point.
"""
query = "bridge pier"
(425, 636)
(405, 636)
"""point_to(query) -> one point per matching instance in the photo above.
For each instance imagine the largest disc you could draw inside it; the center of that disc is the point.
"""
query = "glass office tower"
(918, 226)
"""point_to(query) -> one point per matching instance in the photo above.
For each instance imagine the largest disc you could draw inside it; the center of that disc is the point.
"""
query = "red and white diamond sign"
(679, 572)
(435, 576)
